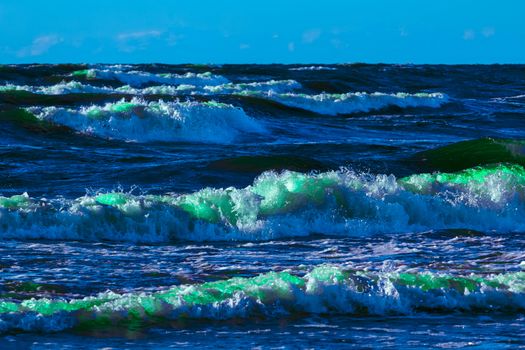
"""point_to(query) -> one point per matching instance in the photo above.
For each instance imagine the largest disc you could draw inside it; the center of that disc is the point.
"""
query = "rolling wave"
(312, 68)
(222, 89)
(71, 87)
(276, 86)
(141, 121)
(139, 78)
(279, 91)
(323, 290)
(75, 87)
(282, 205)
(466, 154)
(334, 104)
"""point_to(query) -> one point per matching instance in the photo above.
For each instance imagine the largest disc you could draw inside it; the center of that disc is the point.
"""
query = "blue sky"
(269, 31)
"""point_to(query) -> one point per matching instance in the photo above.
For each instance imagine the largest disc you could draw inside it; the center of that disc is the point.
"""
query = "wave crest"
(75, 87)
(325, 289)
(138, 78)
(334, 104)
(283, 205)
(141, 121)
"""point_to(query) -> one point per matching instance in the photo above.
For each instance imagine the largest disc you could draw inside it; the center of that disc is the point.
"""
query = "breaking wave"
(323, 290)
(138, 78)
(75, 87)
(334, 104)
(281, 205)
(71, 87)
(141, 121)
(310, 68)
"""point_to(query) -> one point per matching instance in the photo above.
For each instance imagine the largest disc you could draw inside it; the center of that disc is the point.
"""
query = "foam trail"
(324, 290)
(313, 68)
(275, 86)
(334, 104)
(141, 121)
(62, 88)
(74, 87)
(138, 78)
(281, 205)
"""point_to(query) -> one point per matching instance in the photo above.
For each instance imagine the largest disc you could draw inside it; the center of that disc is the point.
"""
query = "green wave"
(15, 202)
(27, 120)
(467, 154)
(325, 289)
(291, 191)
(475, 179)
(283, 205)
(139, 120)
(85, 73)
(349, 103)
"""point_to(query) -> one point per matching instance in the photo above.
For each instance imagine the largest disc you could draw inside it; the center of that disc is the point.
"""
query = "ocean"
(262, 206)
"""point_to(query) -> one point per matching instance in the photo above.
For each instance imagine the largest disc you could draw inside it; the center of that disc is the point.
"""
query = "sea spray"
(334, 104)
(141, 121)
(324, 290)
(281, 205)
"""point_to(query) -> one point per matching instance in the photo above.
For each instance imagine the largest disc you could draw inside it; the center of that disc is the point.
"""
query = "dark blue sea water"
(262, 206)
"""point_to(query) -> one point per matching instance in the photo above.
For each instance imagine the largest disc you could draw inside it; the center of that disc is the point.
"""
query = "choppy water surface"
(155, 206)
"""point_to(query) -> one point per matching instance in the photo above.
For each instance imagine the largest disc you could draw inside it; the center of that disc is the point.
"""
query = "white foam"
(142, 121)
(276, 206)
(139, 78)
(74, 87)
(71, 87)
(313, 68)
(324, 290)
(275, 86)
(333, 104)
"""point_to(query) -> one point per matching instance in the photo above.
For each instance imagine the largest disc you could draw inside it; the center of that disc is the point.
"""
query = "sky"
(265, 31)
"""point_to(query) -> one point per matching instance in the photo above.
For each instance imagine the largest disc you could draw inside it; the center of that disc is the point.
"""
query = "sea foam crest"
(75, 87)
(323, 290)
(139, 78)
(333, 104)
(276, 86)
(141, 121)
(280, 205)
(313, 68)
(62, 88)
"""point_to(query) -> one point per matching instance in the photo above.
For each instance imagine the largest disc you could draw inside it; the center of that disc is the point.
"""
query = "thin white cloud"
(487, 32)
(244, 46)
(139, 40)
(311, 35)
(40, 45)
(291, 46)
(338, 43)
(469, 34)
(174, 39)
(337, 30)
(139, 35)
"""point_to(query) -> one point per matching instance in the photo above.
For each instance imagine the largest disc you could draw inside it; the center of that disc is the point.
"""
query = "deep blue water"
(156, 206)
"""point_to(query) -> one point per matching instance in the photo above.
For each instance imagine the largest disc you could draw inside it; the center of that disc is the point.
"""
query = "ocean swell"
(352, 102)
(281, 205)
(141, 121)
(75, 87)
(138, 78)
(323, 290)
